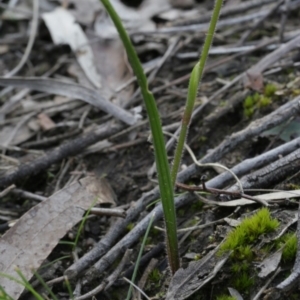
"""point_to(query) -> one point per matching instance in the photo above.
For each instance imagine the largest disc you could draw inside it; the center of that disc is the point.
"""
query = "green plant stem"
(28, 286)
(82, 223)
(67, 283)
(163, 169)
(139, 257)
(4, 295)
(43, 283)
(24, 282)
(195, 79)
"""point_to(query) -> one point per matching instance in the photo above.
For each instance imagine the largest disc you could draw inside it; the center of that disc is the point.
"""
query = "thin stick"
(217, 191)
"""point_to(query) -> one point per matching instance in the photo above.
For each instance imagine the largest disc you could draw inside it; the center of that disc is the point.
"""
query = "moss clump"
(130, 226)
(292, 186)
(264, 101)
(290, 247)
(243, 282)
(223, 103)
(244, 253)
(202, 139)
(197, 206)
(270, 90)
(192, 222)
(239, 267)
(248, 231)
(250, 104)
(211, 238)
(180, 212)
(225, 297)
(240, 241)
(197, 257)
(266, 249)
(257, 101)
(154, 232)
(155, 276)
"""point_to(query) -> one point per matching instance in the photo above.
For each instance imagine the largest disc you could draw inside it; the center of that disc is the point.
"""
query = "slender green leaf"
(139, 257)
(195, 79)
(163, 169)
(46, 287)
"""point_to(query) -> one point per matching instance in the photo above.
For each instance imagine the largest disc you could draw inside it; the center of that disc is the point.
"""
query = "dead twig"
(204, 188)
(155, 251)
(254, 163)
(284, 14)
(52, 140)
(7, 191)
(28, 195)
(110, 280)
(142, 282)
(129, 239)
(229, 10)
(71, 148)
(114, 276)
(273, 173)
(99, 211)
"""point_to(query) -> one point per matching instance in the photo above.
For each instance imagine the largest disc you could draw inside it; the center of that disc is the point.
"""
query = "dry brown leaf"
(254, 81)
(112, 63)
(29, 242)
(4, 49)
(45, 122)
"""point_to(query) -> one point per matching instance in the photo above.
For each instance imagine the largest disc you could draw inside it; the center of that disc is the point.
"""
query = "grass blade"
(195, 79)
(139, 257)
(163, 169)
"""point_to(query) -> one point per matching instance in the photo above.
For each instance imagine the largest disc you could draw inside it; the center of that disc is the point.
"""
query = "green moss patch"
(248, 231)
(241, 242)
(289, 242)
(257, 101)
